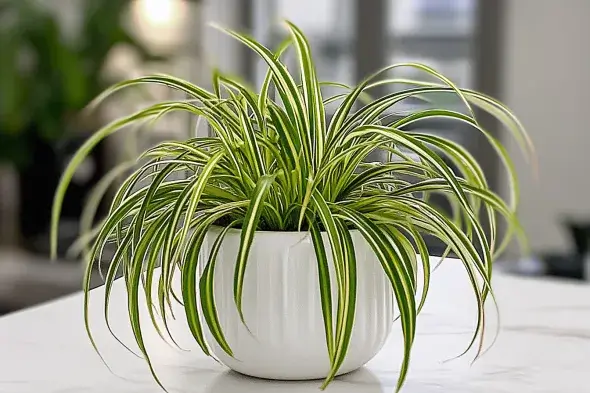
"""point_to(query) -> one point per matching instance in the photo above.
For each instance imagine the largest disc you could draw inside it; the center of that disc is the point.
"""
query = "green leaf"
(247, 235)
(398, 276)
(325, 287)
(425, 258)
(312, 93)
(189, 287)
(287, 89)
(331, 227)
(207, 293)
(83, 152)
(189, 269)
(133, 296)
(192, 195)
(346, 304)
(96, 196)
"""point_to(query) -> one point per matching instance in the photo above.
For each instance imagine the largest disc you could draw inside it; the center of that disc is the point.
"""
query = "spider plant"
(274, 162)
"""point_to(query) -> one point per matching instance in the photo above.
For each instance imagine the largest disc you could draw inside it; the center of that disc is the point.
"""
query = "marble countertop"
(544, 346)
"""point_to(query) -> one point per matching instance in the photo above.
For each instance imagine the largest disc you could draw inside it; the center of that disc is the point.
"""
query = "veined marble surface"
(543, 346)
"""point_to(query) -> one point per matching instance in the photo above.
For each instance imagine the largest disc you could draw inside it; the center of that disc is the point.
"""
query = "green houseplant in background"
(47, 75)
(281, 233)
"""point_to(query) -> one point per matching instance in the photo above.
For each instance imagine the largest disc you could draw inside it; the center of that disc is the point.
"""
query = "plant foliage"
(274, 161)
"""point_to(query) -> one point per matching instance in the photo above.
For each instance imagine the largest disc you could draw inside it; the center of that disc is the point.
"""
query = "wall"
(547, 84)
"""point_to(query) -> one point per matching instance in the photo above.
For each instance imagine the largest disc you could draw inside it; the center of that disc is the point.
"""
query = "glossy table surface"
(543, 346)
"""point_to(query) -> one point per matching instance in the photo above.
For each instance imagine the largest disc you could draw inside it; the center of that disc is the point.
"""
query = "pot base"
(269, 377)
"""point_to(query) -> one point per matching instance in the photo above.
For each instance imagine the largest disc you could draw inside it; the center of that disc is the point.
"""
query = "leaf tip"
(217, 26)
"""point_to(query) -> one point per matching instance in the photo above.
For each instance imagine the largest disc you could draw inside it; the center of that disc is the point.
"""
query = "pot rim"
(218, 228)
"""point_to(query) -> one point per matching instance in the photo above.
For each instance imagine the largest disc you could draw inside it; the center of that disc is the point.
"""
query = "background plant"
(274, 162)
(46, 76)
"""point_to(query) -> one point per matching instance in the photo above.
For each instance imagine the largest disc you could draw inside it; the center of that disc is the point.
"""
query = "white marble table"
(544, 346)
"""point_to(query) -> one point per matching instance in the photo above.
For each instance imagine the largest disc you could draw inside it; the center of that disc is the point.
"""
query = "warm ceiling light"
(158, 13)
(159, 23)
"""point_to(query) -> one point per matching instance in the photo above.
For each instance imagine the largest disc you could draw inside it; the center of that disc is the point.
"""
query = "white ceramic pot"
(281, 305)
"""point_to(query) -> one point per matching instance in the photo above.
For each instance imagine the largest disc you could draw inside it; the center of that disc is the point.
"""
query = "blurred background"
(56, 55)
